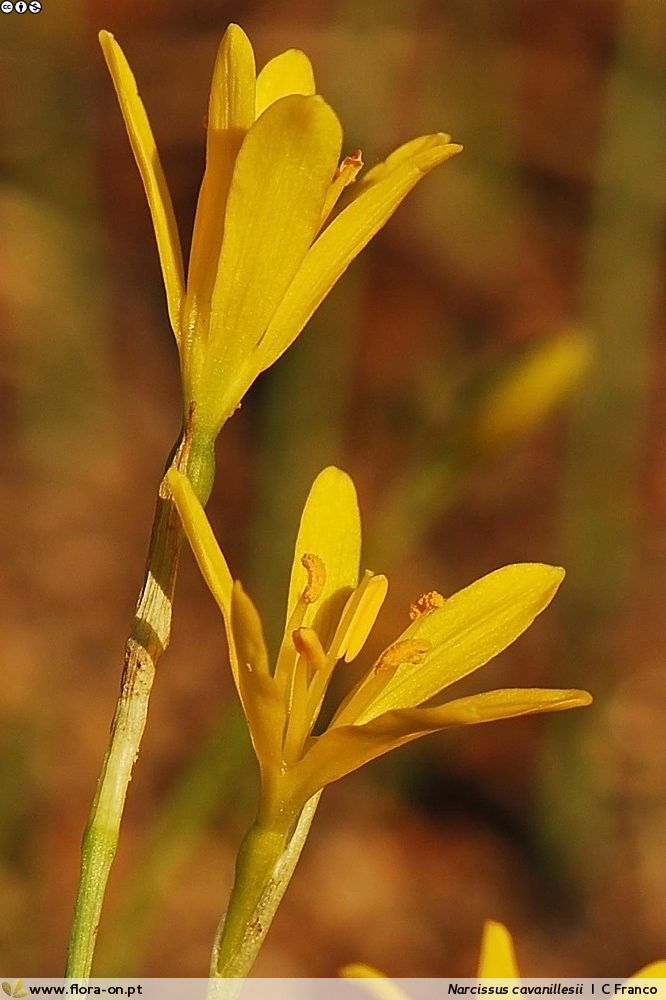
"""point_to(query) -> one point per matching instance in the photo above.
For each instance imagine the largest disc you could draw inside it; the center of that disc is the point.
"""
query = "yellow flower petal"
(230, 115)
(289, 73)
(409, 151)
(278, 188)
(508, 703)
(261, 699)
(497, 959)
(359, 970)
(530, 390)
(471, 628)
(248, 633)
(343, 749)
(204, 545)
(259, 695)
(380, 986)
(331, 529)
(357, 624)
(655, 970)
(154, 183)
(340, 242)
(351, 633)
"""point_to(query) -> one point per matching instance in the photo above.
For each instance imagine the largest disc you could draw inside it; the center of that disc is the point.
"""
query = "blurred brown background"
(546, 231)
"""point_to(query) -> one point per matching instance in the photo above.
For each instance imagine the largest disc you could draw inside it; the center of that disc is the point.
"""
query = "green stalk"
(266, 862)
(203, 788)
(148, 640)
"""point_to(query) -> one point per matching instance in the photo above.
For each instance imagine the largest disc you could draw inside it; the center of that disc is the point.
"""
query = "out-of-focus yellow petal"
(342, 749)
(655, 970)
(330, 528)
(532, 388)
(147, 159)
(278, 188)
(340, 242)
(230, 115)
(471, 628)
(204, 545)
(379, 986)
(497, 959)
(288, 73)
(260, 696)
(359, 970)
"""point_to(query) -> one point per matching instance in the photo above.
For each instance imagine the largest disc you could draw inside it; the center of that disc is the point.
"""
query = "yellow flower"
(379, 985)
(330, 613)
(498, 957)
(264, 253)
(496, 961)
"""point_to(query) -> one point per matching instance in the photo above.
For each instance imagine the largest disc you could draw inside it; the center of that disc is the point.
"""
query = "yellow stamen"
(311, 661)
(343, 177)
(316, 571)
(402, 651)
(307, 644)
(287, 656)
(425, 604)
(374, 682)
(369, 599)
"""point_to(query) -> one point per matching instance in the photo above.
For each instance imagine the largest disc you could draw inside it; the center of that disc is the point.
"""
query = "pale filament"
(311, 660)
(412, 651)
(356, 622)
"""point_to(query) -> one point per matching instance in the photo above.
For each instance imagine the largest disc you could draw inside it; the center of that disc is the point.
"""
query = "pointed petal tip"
(438, 150)
(537, 700)
(544, 572)
(359, 970)
(234, 35)
(495, 927)
(497, 958)
(558, 574)
(108, 43)
(442, 140)
(577, 699)
(331, 474)
(333, 481)
(337, 488)
(543, 577)
(289, 72)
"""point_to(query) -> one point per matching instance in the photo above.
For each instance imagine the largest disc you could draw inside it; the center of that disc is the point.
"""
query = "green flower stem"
(149, 638)
(265, 865)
